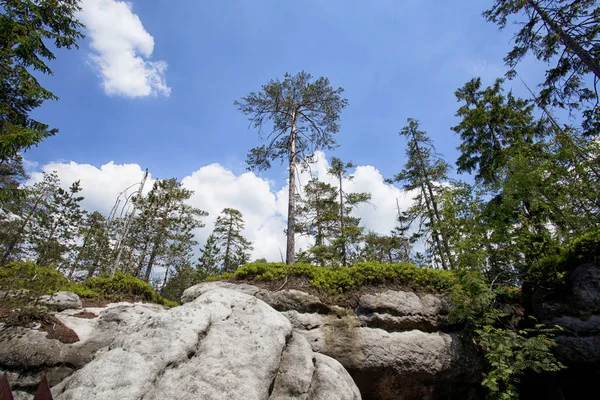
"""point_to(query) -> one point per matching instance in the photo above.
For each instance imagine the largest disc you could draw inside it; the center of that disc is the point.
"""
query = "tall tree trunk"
(342, 236)
(150, 264)
(439, 220)
(143, 257)
(567, 40)
(290, 256)
(162, 288)
(431, 207)
(227, 260)
(76, 262)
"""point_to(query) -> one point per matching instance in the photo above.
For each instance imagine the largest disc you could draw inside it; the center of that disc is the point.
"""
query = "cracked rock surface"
(223, 345)
(395, 344)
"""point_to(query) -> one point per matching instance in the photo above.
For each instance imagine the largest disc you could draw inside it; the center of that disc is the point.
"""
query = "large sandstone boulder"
(223, 345)
(395, 344)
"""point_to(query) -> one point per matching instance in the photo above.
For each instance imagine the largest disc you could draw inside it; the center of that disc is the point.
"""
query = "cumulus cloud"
(264, 207)
(101, 186)
(121, 50)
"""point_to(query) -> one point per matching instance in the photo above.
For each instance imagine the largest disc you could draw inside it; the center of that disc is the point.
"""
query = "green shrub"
(552, 270)
(122, 287)
(338, 280)
(508, 353)
(584, 249)
(37, 280)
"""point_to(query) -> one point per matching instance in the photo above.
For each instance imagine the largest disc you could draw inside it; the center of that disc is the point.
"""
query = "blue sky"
(154, 82)
(394, 59)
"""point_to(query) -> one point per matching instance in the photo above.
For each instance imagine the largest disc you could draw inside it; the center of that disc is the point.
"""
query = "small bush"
(122, 287)
(338, 280)
(552, 270)
(18, 275)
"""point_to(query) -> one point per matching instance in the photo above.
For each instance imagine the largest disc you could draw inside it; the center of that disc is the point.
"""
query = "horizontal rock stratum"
(395, 344)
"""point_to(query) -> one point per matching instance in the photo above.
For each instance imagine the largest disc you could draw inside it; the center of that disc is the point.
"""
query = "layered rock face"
(395, 344)
(223, 345)
(576, 309)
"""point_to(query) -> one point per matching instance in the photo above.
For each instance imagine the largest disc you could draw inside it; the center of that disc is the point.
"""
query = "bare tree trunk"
(433, 216)
(567, 40)
(290, 256)
(150, 264)
(143, 257)
(227, 263)
(162, 288)
(342, 236)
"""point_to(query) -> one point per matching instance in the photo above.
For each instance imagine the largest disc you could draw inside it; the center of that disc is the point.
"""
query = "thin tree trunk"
(227, 260)
(143, 257)
(290, 256)
(162, 289)
(567, 40)
(76, 262)
(439, 220)
(432, 208)
(342, 236)
(150, 264)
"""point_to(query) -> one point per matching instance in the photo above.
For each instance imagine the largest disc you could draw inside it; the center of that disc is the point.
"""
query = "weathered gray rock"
(577, 310)
(223, 345)
(400, 310)
(394, 344)
(192, 293)
(26, 353)
(61, 301)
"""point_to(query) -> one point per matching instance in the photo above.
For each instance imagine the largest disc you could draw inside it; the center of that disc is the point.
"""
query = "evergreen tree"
(228, 236)
(210, 259)
(317, 216)
(565, 35)
(26, 29)
(424, 172)
(304, 117)
(492, 129)
(164, 226)
(93, 254)
(393, 248)
(57, 225)
(349, 231)
(19, 216)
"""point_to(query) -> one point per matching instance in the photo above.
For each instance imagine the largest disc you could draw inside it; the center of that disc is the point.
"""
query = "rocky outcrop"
(223, 345)
(395, 344)
(27, 353)
(576, 309)
(61, 301)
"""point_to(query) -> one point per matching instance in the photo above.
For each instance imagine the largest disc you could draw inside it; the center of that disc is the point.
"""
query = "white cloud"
(121, 48)
(101, 186)
(215, 188)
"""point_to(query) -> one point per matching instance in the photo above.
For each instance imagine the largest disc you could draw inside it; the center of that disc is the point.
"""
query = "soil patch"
(85, 315)
(57, 330)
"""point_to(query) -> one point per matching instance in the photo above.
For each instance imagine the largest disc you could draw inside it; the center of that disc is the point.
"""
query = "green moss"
(342, 279)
